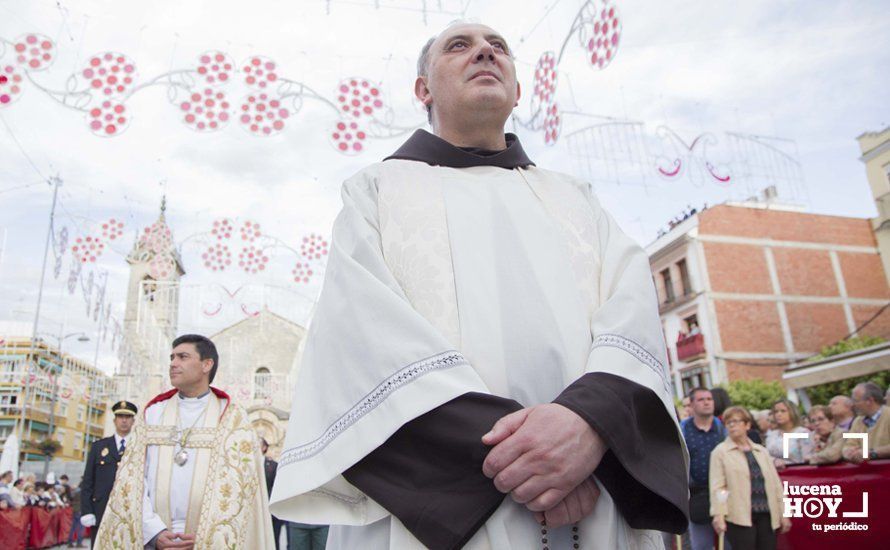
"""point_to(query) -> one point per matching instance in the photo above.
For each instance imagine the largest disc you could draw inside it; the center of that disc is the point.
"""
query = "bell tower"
(152, 310)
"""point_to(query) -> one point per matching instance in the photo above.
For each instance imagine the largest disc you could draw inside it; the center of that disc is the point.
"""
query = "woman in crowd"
(761, 422)
(828, 439)
(31, 498)
(787, 421)
(17, 493)
(746, 494)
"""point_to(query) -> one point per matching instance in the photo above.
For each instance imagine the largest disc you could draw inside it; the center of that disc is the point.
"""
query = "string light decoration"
(597, 29)
(87, 249)
(599, 33)
(217, 257)
(10, 84)
(203, 94)
(34, 51)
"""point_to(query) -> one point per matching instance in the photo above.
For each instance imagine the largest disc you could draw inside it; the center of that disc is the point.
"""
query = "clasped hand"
(544, 457)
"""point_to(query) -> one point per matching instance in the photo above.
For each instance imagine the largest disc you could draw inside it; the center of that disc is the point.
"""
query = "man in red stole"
(193, 472)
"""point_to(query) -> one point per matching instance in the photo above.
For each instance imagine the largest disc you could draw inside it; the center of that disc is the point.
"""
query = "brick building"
(748, 289)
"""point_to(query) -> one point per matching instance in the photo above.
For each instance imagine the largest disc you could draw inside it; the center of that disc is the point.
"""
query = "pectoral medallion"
(181, 457)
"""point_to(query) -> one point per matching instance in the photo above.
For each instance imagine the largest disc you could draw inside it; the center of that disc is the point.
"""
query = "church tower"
(152, 310)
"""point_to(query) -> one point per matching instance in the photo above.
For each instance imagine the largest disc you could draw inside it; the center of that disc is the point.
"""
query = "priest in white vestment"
(486, 367)
(193, 475)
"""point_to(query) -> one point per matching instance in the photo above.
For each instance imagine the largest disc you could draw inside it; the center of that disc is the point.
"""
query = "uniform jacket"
(98, 477)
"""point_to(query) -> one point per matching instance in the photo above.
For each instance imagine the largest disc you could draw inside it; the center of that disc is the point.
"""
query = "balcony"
(690, 348)
(675, 302)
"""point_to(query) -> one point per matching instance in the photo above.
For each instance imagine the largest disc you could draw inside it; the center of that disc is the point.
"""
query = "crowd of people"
(736, 454)
(27, 491)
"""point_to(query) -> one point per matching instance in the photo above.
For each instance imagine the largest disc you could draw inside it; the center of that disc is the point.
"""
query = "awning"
(854, 363)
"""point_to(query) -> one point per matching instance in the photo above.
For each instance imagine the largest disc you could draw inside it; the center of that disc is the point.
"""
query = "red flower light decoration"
(162, 266)
(222, 229)
(552, 125)
(112, 229)
(215, 68)
(34, 52)
(357, 97)
(348, 137)
(157, 238)
(601, 33)
(111, 73)
(252, 259)
(217, 257)
(10, 85)
(206, 113)
(302, 273)
(259, 72)
(250, 231)
(108, 119)
(545, 79)
(87, 249)
(263, 115)
(314, 247)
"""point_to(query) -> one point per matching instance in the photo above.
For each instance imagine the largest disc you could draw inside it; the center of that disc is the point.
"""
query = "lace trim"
(638, 351)
(406, 375)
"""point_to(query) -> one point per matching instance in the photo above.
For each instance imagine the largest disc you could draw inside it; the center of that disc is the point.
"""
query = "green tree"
(822, 394)
(755, 394)
(850, 344)
(46, 447)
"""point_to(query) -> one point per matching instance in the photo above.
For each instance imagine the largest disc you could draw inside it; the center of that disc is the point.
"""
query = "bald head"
(466, 78)
(867, 398)
(841, 408)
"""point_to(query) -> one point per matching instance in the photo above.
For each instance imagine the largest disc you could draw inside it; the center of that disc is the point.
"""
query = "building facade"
(747, 290)
(875, 147)
(65, 400)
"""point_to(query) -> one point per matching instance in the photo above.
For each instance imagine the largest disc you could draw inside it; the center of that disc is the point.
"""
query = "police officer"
(101, 467)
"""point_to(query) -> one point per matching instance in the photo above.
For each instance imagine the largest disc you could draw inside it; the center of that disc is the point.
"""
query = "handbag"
(699, 505)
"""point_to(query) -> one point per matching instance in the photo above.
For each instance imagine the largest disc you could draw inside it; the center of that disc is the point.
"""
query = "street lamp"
(81, 337)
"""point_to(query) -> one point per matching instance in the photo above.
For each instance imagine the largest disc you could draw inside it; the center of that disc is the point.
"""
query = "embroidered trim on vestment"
(635, 349)
(406, 375)
(351, 501)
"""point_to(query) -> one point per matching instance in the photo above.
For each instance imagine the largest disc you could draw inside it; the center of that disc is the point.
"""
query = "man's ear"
(518, 94)
(206, 365)
(422, 91)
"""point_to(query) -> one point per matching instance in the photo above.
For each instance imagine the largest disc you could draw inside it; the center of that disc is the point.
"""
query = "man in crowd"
(874, 419)
(494, 333)
(193, 467)
(101, 467)
(6, 500)
(270, 467)
(703, 432)
(687, 408)
(841, 408)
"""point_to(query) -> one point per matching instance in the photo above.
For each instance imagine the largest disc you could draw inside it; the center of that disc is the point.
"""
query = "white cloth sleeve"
(152, 524)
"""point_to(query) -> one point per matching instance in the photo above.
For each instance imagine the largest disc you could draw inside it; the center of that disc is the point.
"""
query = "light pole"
(81, 337)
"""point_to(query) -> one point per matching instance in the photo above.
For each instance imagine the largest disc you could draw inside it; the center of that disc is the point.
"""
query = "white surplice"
(443, 281)
(191, 411)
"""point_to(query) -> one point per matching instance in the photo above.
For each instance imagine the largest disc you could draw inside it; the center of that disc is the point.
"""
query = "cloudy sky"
(776, 92)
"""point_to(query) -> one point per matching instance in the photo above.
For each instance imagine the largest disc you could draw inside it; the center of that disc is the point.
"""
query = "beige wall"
(875, 147)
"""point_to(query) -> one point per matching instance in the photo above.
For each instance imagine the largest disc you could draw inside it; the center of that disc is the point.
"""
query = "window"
(262, 383)
(77, 443)
(668, 285)
(81, 413)
(60, 435)
(695, 378)
(691, 324)
(684, 277)
(63, 410)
